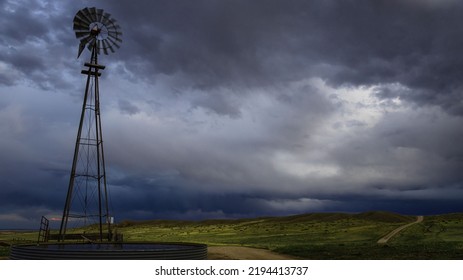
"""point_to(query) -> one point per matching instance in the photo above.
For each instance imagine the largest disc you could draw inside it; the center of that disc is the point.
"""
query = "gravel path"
(243, 253)
(386, 238)
(247, 253)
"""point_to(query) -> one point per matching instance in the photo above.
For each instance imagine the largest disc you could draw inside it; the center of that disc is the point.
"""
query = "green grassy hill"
(386, 217)
(310, 236)
(316, 235)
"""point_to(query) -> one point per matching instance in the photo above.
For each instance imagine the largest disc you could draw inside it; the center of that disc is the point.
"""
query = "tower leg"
(88, 172)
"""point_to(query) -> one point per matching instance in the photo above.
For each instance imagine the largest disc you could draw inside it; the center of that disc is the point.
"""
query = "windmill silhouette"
(87, 196)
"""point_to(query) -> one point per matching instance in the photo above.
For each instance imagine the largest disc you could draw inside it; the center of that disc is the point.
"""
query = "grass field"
(309, 236)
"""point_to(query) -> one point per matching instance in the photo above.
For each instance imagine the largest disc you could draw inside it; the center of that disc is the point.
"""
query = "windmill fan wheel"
(96, 30)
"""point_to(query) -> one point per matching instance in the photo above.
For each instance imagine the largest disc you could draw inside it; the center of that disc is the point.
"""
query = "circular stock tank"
(109, 251)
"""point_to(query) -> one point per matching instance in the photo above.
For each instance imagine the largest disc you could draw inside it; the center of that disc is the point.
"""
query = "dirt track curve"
(386, 238)
(246, 253)
(243, 253)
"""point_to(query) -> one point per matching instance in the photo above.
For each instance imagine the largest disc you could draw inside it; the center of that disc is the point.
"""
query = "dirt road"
(243, 253)
(246, 253)
(386, 238)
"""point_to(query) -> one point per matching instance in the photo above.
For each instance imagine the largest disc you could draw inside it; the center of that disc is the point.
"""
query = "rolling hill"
(309, 236)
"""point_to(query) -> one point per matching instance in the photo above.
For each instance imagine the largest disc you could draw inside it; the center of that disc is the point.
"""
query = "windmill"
(87, 196)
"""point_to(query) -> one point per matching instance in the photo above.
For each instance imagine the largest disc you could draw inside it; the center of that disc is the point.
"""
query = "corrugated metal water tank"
(109, 251)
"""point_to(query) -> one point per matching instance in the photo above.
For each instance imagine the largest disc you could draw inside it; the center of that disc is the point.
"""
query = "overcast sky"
(238, 108)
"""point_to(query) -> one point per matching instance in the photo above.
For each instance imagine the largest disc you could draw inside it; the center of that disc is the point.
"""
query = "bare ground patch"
(244, 253)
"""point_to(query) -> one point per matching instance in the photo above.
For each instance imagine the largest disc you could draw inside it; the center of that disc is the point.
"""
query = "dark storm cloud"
(25, 62)
(28, 191)
(262, 43)
(128, 108)
(408, 155)
(243, 44)
(20, 25)
(32, 42)
(235, 108)
(220, 104)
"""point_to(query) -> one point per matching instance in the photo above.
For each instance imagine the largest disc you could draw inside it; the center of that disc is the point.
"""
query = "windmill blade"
(106, 18)
(113, 43)
(114, 27)
(80, 21)
(93, 14)
(87, 39)
(115, 31)
(88, 15)
(80, 25)
(99, 14)
(110, 25)
(108, 45)
(80, 15)
(116, 39)
(113, 21)
(114, 35)
(105, 47)
(78, 28)
(80, 34)
(84, 16)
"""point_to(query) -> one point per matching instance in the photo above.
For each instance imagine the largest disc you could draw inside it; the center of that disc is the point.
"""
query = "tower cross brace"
(87, 195)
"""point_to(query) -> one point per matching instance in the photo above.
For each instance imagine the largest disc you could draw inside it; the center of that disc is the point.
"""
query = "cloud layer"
(239, 108)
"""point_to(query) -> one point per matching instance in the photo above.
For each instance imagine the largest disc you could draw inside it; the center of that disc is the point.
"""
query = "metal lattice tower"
(87, 197)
